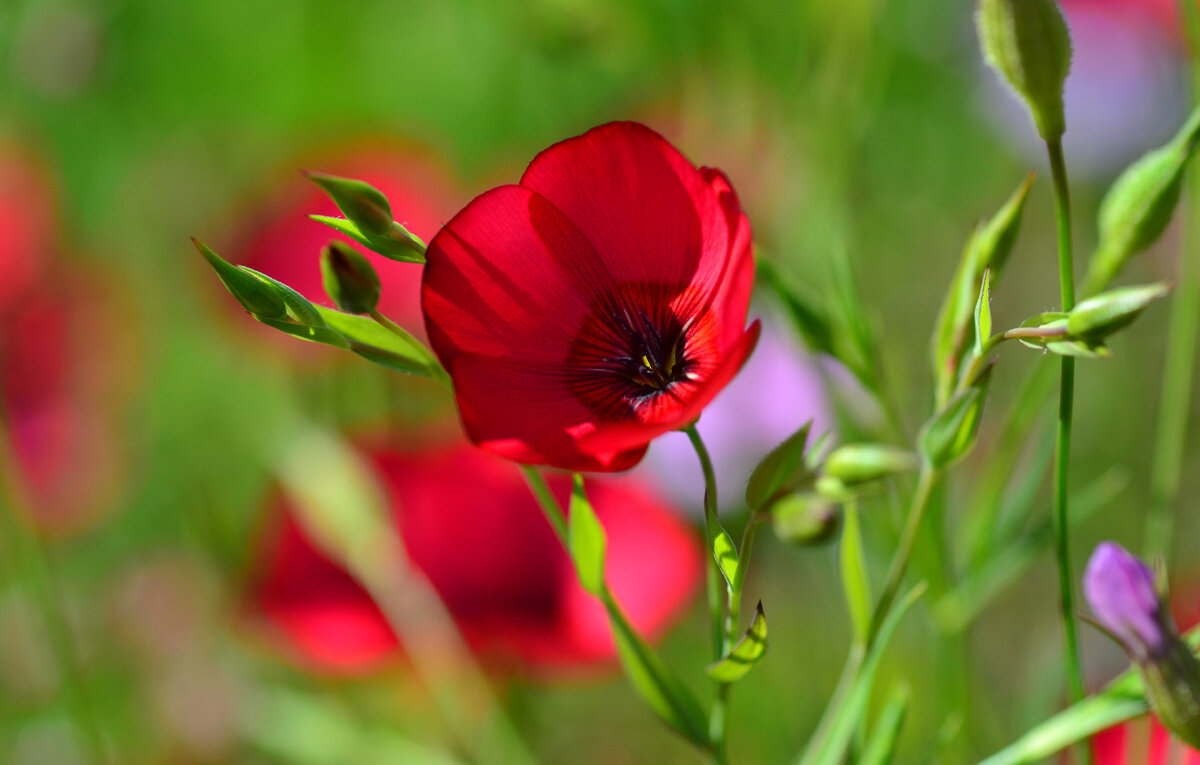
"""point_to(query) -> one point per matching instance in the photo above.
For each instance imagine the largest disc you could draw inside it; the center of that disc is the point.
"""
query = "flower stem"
(547, 501)
(1066, 405)
(724, 625)
(916, 512)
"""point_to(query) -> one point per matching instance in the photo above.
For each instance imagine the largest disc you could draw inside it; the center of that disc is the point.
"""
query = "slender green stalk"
(547, 501)
(1066, 405)
(1171, 438)
(723, 624)
(895, 577)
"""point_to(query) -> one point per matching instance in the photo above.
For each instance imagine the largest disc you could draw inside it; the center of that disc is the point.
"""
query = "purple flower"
(1121, 592)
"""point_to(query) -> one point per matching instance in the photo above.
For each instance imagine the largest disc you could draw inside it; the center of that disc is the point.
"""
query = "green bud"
(804, 519)
(349, 278)
(1028, 43)
(1138, 207)
(362, 203)
(1100, 316)
(855, 464)
(950, 434)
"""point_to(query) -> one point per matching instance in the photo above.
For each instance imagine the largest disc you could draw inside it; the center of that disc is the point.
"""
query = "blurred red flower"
(1142, 742)
(286, 244)
(63, 361)
(599, 303)
(469, 523)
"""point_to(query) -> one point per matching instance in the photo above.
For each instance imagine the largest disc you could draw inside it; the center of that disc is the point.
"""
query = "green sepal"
(950, 434)
(855, 464)
(349, 278)
(779, 471)
(1027, 42)
(749, 649)
(724, 551)
(586, 540)
(1138, 207)
(983, 313)
(400, 244)
(654, 682)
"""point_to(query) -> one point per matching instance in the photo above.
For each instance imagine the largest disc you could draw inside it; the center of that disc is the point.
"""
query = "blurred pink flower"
(778, 390)
(27, 227)
(469, 523)
(284, 243)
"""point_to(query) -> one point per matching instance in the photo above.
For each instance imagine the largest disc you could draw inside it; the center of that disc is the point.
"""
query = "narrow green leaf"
(995, 240)
(776, 472)
(983, 314)
(261, 300)
(1073, 724)
(806, 314)
(856, 582)
(881, 745)
(586, 540)
(747, 652)
(724, 550)
(654, 681)
(830, 744)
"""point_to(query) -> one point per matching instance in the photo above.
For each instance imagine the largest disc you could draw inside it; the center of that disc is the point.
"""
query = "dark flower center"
(634, 353)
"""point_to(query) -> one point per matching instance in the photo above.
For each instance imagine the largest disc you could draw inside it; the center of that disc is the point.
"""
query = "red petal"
(732, 299)
(648, 212)
(527, 414)
(627, 435)
(509, 277)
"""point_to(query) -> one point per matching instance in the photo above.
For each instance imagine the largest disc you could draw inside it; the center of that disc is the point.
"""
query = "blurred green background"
(869, 128)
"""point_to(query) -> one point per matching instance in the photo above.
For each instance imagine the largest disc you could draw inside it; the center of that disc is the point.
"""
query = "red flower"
(26, 223)
(598, 304)
(470, 524)
(286, 243)
(1143, 742)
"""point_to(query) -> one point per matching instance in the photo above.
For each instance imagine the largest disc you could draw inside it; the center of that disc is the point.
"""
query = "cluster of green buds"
(802, 489)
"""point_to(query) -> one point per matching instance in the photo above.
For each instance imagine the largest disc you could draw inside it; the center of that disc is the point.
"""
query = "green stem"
(723, 624)
(547, 501)
(895, 577)
(1066, 405)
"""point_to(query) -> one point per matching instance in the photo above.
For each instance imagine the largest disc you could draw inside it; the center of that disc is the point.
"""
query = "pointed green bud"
(362, 203)
(1100, 316)
(950, 434)
(1027, 42)
(855, 464)
(1138, 207)
(804, 519)
(349, 278)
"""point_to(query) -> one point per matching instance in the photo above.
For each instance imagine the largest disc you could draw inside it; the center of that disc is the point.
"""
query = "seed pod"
(349, 278)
